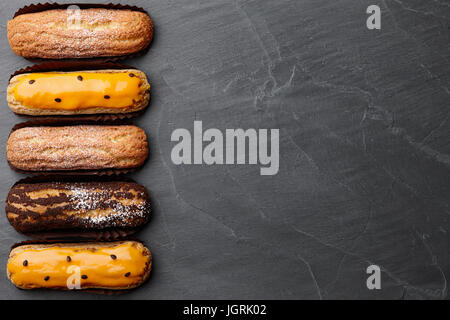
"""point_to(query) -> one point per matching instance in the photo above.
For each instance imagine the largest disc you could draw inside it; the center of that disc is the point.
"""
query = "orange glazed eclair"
(78, 92)
(98, 265)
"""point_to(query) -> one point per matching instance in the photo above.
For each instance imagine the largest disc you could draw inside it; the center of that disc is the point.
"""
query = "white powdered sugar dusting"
(86, 200)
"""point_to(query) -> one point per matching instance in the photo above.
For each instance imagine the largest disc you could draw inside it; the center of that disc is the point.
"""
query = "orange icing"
(78, 90)
(100, 268)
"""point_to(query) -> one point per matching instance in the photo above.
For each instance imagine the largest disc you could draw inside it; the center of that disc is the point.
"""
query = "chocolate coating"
(51, 206)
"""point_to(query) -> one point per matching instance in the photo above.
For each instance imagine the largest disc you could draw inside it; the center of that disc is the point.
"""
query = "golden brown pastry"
(83, 147)
(80, 92)
(59, 206)
(97, 265)
(96, 32)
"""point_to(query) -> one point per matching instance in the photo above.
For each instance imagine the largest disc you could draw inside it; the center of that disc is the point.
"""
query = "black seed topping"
(25, 263)
(47, 278)
(80, 78)
(68, 259)
(84, 277)
(32, 81)
(131, 75)
(113, 256)
(58, 100)
(107, 97)
(127, 274)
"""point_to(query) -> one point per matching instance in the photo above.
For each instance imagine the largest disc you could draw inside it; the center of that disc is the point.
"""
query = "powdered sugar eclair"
(81, 147)
(84, 33)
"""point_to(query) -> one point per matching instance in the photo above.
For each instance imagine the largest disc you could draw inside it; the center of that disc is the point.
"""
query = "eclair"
(80, 92)
(83, 33)
(78, 266)
(72, 148)
(77, 206)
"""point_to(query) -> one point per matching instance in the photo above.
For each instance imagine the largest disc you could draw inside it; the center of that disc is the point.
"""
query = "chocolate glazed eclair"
(84, 206)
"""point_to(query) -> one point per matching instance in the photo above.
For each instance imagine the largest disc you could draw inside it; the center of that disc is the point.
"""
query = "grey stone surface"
(364, 144)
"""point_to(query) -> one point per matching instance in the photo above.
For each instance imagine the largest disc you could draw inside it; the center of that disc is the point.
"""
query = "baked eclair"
(80, 92)
(84, 33)
(59, 206)
(82, 147)
(69, 266)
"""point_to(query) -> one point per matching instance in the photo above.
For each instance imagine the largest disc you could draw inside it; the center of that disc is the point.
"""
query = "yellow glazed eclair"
(78, 92)
(84, 33)
(98, 265)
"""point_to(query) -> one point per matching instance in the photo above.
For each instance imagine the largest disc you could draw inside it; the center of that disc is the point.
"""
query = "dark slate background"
(364, 121)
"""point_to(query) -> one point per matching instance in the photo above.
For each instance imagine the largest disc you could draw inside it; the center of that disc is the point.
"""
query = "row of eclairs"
(76, 204)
